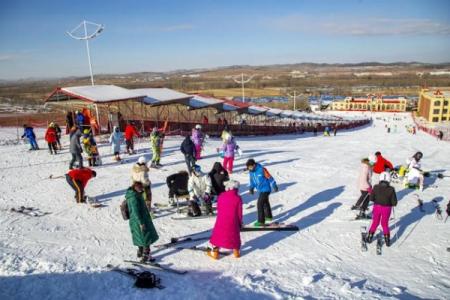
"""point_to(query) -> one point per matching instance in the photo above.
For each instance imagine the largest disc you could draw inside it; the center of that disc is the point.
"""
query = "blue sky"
(169, 35)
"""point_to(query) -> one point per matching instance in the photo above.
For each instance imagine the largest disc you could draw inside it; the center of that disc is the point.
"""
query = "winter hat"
(385, 176)
(155, 129)
(196, 168)
(372, 159)
(231, 185)
(142, 160)
(250, 162)
(198, 126)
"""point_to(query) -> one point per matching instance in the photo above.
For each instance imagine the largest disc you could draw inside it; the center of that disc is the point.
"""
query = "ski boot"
(213, 253)
(362, 215)
(369, 237)
(194, 209)
(268, 220)
(140, 252)
(355, 207)
(153, 165)
(387, 240)
(172, 202)
(236, 253)
(258, 224)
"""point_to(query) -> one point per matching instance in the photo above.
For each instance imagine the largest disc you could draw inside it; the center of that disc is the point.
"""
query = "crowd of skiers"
(374, 181)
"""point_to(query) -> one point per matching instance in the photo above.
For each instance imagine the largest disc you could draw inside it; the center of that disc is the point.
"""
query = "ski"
(379, 243)
(201, 249)
(194, 218)
(157, 266)
(30, 211)
(271, 227)
(438, 209)
(363, 238)
(177, 241)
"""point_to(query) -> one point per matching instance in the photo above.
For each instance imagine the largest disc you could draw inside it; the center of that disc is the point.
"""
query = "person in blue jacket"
(29, 134)
(80, 120)
(264, 183)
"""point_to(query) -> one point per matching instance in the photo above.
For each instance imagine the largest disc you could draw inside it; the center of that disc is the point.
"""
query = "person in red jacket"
(51, 138)
(78, 179)
(380, 166)
(130, 132)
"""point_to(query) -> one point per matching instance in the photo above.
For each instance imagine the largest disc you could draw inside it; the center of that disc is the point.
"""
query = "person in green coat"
(143, 232)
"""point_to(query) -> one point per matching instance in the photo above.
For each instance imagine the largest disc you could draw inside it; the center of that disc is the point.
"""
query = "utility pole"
(295, 99)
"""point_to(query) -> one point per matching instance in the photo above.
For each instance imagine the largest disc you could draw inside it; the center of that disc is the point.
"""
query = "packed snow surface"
(63, 255)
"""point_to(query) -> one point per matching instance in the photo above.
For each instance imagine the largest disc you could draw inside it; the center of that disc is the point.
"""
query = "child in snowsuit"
(29, 134)
(199, 188)
(384, 198)
(261, 179)
(116, 139)
(226, 231)
(78, 179)
(90, 147)
(50, 138)
(155, 141)
(229, 148)
(143, 231)
(414, 176)
(178, 186)
(139, 173)
(197, 139)
(188, 149)
(364, 185)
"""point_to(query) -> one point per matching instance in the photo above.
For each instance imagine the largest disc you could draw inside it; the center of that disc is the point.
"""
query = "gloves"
(251, 191)
(275, 188)
(369, 190)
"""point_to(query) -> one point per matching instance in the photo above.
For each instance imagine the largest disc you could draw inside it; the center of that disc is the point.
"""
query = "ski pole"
(55, 177)
(395, 224)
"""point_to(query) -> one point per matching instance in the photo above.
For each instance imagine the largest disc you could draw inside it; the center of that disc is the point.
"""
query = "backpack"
(124, 210)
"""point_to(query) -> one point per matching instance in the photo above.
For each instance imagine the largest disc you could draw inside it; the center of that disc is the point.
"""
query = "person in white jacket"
(139, 173)
(415, 173)
(199, 188)
(115, 140)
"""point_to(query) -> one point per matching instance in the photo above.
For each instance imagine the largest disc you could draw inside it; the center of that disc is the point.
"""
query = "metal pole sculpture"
(242, 81)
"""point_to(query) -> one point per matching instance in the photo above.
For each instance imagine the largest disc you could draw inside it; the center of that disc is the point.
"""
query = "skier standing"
(75, 148)
(264, 183)
(50, 137)
(28, 132)
(143, 231)
(364, 185)
(218, 176)
(384, 199)
(130, 132)
(80, 119)
(78, 179)
(226, 231)
(90, 147)
(116, 139)
(139, 173)
(188, 149)
(197, 139)
(199, 188)
(229, 148)
(155, 141)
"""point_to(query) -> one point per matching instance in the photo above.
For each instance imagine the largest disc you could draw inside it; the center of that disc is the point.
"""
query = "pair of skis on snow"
(30, 211)
(379, 237)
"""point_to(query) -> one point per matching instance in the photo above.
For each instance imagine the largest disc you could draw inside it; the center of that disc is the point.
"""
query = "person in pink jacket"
(364, 185)
(226, 231)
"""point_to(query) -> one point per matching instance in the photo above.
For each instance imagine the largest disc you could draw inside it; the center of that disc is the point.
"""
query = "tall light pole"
(295, 99)
(242, 81)
(98, 28)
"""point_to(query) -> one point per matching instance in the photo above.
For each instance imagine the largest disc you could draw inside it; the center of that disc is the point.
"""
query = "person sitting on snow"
(199, 188)
(78, 179)
(414, 176)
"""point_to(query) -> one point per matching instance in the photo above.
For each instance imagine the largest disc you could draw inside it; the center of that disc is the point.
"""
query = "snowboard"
(271, 227)
(363, 238)
(177, 241)
(29, 211)
(157, 266)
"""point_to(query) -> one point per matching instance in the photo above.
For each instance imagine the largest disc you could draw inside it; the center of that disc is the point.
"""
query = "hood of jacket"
(140, 168)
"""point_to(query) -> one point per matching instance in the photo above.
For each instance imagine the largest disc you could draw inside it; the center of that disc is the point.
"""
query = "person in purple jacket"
(226, 232)
(229, 148)
(197, 139)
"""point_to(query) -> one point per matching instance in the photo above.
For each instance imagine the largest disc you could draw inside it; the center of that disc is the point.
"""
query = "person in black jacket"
(177, 184)
(384, 198)
(188, 149)
(218, 176)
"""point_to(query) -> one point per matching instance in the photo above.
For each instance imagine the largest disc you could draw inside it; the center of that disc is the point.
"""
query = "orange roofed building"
(372, 102)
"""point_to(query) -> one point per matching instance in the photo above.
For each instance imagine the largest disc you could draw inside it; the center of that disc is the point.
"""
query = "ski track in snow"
(63, 255)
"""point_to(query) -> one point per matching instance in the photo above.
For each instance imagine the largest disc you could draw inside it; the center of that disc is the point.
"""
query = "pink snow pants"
(228, 164)
(380, 213)
(198, 150)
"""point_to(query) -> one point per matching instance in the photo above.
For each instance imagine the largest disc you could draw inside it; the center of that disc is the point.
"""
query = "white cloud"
(346, 25)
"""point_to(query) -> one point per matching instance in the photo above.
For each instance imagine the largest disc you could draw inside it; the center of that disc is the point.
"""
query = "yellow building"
(434, 105)
(371, 103)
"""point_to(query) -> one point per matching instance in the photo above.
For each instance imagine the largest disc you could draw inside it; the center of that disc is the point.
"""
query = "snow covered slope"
(63, 255)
